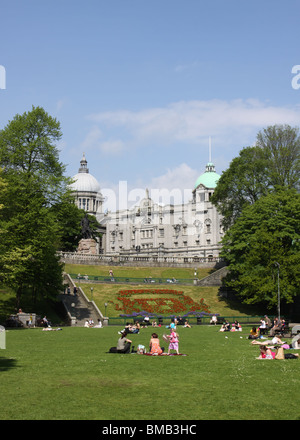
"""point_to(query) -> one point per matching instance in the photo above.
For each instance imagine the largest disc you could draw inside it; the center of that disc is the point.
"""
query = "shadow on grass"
(7, 364)
(234, 304)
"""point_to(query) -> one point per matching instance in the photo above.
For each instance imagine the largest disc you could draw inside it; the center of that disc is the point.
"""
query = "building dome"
(86, 190)
(84, 183)
(83, 180)
(209, 178)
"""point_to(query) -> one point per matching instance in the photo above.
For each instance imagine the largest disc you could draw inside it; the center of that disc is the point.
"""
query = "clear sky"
(139, 86)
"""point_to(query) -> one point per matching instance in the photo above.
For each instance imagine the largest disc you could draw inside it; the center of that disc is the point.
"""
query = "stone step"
(78, 308)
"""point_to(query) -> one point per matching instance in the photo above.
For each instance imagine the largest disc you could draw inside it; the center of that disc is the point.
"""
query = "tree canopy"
(266, 233)
(258, 197)
(34, 191)
(273, 162)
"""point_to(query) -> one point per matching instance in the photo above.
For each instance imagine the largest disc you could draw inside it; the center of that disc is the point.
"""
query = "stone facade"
(185, 230)
(87, 246)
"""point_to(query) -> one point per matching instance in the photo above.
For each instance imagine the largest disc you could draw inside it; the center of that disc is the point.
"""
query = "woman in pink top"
(266, 353)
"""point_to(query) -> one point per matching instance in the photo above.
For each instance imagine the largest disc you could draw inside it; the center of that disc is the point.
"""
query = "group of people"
(172, 339)
(155, 348)
(89, 323)
(272, 348)
(132, 328)
(227, 327)
(273, 327)
(68, 290)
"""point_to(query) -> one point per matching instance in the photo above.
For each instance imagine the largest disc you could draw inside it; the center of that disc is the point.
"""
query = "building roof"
(209, 178)
(83, 180)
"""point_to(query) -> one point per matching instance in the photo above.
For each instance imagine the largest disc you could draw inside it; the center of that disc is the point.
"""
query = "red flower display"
(173, 301)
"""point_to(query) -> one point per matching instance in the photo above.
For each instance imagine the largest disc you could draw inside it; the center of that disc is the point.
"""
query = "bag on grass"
(141, 349)
(280, 353)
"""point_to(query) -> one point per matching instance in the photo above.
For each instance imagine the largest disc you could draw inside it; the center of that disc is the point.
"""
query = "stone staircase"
(79, 307)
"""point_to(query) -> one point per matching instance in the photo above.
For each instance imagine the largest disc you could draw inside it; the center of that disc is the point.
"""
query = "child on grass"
(174, 341)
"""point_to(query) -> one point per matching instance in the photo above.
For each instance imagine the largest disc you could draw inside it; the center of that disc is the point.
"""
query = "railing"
(132, 280)
(129, 259)
(193, 320)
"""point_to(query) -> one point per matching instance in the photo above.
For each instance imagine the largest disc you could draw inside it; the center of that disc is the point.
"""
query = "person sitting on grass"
(236, 326)
(99, 325)
(123, 345)
(154, 345)
(254, 333)
(146, 321)
(225, 327)
(131, 328)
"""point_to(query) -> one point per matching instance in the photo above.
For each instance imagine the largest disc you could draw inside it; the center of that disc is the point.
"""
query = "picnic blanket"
(164, 354)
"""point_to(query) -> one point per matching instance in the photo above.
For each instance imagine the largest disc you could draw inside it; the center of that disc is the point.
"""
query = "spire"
(210, 168)
(83, 165)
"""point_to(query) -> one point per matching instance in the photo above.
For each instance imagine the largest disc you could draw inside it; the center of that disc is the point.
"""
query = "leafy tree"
(280, 145)
(68, 217)
(29, 155)
(273, 162)
(35, 182)
(266, 233)
(241, 185)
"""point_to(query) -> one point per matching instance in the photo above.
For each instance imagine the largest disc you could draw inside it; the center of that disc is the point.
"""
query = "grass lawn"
(68, 375)
(138, 271)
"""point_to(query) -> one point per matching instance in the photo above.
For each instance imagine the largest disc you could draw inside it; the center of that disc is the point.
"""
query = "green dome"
(210, 178)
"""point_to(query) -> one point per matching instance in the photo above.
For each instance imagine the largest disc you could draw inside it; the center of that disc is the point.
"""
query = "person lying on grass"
(266, 353)
(275, 341)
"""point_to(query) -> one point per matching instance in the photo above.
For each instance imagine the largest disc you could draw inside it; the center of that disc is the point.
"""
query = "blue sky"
(140, 85)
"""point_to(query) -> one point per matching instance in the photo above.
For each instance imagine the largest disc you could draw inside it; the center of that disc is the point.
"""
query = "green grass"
(137, 271)
(68, 375)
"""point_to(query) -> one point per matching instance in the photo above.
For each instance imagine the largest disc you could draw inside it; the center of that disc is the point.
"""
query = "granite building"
(187, 229)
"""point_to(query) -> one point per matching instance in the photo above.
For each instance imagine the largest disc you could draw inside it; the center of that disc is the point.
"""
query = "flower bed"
(158, 302)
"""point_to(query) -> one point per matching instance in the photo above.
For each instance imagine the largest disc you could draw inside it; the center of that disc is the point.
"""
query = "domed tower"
(86, 190)
(207, 219)
(206, 182)
(208, 179)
